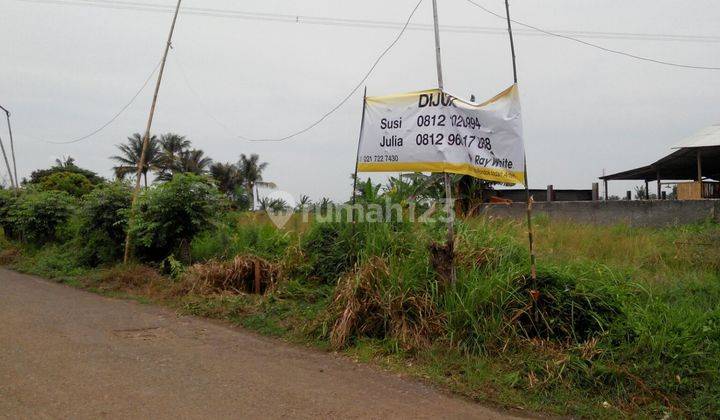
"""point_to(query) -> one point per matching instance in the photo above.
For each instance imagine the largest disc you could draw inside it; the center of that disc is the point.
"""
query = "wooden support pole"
(446, 176)
(357, 154)
(595, 191)
(146, 137)
(658, 184)
(606, 189)
(550, 195)
(528, 197)
(699, 166)
(647, 189)
(256, 277)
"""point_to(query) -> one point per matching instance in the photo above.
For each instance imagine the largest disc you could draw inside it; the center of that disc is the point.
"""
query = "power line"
(332, 110)
(114, 117)
(589, 44)
(366, 23)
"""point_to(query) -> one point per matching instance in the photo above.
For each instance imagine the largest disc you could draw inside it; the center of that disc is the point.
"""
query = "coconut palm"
(65, 162)
(188, 161)
(303, 203)
(227, 177)
(273, 204)
(129, 157)
(172, 146)
(251, 170)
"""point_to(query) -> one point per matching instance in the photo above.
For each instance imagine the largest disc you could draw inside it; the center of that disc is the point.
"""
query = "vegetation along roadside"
(626, 322)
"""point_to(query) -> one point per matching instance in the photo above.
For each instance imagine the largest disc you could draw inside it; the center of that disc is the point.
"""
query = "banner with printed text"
(432, 131)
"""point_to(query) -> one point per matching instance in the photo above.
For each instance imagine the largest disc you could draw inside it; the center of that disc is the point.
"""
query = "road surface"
(66, 353)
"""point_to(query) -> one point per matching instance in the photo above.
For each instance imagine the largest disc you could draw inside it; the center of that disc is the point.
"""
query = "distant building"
(694, 167)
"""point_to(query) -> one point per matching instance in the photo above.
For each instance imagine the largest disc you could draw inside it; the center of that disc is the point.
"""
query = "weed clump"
(130, 278)
(243, 274)
(364, 307)
(9, 256)
(558, 307)
(329, 251)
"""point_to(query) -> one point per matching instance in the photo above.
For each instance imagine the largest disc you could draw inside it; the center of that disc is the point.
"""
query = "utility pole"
(12, 148)
(7, 164)
(447, 179)
(146, 138)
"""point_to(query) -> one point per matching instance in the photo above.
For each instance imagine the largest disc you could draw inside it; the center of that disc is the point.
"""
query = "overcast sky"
(66, 69)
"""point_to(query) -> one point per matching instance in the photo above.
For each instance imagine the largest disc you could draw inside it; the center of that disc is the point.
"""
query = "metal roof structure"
(697, 156)
(707, 137)
(679, 165)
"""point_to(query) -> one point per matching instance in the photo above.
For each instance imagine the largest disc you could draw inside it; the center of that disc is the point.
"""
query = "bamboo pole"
(446, 176)
(146, 137)
(528, 197)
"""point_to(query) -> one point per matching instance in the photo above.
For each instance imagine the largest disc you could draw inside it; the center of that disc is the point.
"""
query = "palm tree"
(304, 203)
(273, 204)
(65, 162)
(193, 161)
(227, 177)
(172, 146)
(188, 161)
(129, 158)
(251, 170)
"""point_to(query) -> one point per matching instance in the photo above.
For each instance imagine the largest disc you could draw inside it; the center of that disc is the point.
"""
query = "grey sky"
(67, 69)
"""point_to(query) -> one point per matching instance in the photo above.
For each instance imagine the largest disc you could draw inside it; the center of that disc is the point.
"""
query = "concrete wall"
(541, 195)
(632, 213)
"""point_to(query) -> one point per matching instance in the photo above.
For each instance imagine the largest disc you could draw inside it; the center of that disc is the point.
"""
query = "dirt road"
(66, 353)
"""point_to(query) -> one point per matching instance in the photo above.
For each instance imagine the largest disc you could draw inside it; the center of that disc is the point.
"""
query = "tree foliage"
(251, 170)
(65, 166)
(72, 183)
(130, 154)
(103, 223)
(38, 217)
(169, 215)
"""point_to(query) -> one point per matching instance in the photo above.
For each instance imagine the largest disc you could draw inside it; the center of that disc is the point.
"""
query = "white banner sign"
(431, 131)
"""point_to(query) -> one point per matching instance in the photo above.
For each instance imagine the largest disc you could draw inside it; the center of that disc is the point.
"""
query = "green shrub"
(39, 217)
(231, 239)
(38, 176)
(329, 251)
(103, 223)
(7, 199)
(171, 214)
(72, 183)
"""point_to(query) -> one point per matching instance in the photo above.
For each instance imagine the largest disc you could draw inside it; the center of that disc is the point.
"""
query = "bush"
(74, 184)
(39, 217)
(329, 251)
(38, 176)
(237, 238)
(7, 199)
(171, 214)
(103, 223)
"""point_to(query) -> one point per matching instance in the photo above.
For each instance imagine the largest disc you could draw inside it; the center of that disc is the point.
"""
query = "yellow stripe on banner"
(489, 174)
(400, 97)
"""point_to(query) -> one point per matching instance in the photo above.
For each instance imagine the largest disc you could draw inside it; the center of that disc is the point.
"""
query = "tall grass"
(631, 314)
(628, 317)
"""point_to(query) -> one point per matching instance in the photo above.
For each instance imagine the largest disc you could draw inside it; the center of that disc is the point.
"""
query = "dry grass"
(243, 274)
(133, 278)
(9, 256)
(363, 308)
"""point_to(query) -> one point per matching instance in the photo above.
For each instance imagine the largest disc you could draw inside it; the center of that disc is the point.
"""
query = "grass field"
(621, 322)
